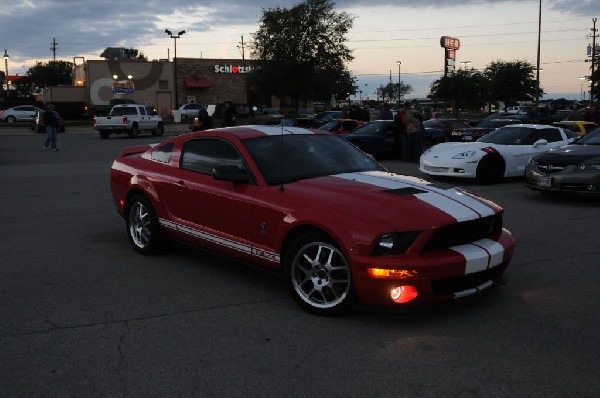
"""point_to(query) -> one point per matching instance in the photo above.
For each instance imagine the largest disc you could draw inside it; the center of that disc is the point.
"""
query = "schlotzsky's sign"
(233, 69)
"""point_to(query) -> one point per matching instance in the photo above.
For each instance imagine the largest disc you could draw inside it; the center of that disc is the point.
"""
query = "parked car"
(341, 126)
(190, 111)
(37, 124)
(578, 126)
(378, 138)
(501, 153)
(571, 168)
(307, 122)
(475, 133)
(447, 125)
(299, 202)
(130, 119)
(21, 113)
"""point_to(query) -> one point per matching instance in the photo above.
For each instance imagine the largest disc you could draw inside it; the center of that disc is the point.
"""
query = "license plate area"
(544, 182)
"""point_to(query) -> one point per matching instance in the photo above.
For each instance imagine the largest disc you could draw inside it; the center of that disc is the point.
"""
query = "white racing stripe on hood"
(452, 202)
(480, 255)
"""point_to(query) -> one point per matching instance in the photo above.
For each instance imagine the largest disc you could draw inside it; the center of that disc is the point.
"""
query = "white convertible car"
(501, 153)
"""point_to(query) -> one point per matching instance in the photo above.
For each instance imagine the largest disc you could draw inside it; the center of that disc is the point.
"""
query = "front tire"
(160, 130)
(143, 228)
(318, 275)
(490, 169)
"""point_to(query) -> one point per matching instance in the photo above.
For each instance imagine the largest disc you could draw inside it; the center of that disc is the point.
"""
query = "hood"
(400, 202)
(449, 149)
(570, 154)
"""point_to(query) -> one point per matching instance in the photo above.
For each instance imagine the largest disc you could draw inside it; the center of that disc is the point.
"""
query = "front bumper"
(449, 168)
(568, 180)
(438, 276)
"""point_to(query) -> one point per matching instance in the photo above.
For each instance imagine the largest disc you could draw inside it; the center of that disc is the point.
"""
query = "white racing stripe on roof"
(448, 202)
(279, 130)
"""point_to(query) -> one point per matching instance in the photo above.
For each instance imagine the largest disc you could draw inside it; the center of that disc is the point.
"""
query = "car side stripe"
(231, 244)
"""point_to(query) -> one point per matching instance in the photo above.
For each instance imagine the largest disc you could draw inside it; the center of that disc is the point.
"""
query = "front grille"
(550, 168)
(464, 232)
(436, 169)
(465, 282)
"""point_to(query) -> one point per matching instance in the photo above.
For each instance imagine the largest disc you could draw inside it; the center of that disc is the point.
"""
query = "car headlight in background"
(588, 167)
(464, 155)
(394, 242)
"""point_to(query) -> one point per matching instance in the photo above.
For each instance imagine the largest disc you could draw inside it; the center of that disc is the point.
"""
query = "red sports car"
(341, 229)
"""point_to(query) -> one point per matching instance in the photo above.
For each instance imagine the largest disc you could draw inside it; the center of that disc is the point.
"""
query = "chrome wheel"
(320, 276)
(143, 227)
(140, 225)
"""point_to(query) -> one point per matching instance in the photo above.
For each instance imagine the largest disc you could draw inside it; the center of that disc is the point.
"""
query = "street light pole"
(175, 37)
(6, 70)
(537, 71)
(399, 63)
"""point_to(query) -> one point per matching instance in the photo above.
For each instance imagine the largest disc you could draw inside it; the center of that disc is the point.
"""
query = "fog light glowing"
(403, 294)
(392, 273)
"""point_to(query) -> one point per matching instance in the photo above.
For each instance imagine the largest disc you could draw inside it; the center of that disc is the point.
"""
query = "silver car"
(21, 113)
(190, 111)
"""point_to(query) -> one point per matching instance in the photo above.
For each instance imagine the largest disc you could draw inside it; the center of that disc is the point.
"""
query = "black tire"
(318, 275)
(11, 119)
(160, 130)
(143, 228)
(183, 116)
(104, 135)
(134, 132)
(490, 169)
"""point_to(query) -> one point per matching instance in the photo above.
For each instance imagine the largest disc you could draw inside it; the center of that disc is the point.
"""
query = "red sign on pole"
(450, 54)
(450, 42)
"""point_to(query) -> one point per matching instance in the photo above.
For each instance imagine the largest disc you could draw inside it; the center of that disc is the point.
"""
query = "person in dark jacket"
(230, 115)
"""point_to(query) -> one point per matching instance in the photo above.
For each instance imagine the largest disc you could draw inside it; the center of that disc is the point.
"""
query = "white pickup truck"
(129, 118)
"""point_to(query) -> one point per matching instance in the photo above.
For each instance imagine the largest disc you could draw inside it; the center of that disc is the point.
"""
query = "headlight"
(394, 242)
(464, 155)
(427, 150)
(588, 167)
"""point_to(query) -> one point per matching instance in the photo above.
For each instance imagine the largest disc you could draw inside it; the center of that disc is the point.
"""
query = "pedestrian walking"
(385, 113)
(50, 121)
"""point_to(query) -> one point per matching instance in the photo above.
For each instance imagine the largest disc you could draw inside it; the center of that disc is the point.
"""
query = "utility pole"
(593, 94)
(53, 48)
(537, 70)
(241, 47)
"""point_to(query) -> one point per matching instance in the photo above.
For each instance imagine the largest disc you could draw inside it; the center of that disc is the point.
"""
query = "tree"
(52, 73)
(390, 91)
(301, 54)
(463, 88)
(123, 54)
(511, 82)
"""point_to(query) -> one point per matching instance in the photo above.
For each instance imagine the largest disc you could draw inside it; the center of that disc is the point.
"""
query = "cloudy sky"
(384, 32)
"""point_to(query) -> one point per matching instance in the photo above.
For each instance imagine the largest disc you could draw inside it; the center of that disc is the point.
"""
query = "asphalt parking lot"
(83, 315)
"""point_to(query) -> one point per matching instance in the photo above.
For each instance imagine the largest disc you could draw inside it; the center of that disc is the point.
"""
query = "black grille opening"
(465, 282)
(464, 232)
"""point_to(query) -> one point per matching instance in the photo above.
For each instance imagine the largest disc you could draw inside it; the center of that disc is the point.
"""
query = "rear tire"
(490, 169)
(134, 132)
(143, 227)
(11, 119)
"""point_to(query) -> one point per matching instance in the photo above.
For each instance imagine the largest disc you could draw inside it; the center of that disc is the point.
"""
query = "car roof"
(255, 131)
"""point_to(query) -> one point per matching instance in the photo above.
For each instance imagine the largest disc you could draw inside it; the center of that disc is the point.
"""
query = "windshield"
(512, 136)
(592, 138)
(288, 158)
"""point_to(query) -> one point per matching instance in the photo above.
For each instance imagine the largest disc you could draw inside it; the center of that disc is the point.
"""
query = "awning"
(196, 83)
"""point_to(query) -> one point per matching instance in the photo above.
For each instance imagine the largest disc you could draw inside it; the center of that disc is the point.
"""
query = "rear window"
(124, 110)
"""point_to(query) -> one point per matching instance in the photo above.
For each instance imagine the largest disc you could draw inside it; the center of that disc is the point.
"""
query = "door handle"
(180, 185)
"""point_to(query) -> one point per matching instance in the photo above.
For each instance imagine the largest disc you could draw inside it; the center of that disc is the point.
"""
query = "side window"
(163, 153)
(203, 154)
(142, 110)
(551, 135)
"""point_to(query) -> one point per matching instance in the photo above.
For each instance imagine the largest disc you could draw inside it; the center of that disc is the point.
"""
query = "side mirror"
(231, 172)
(540, 143)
